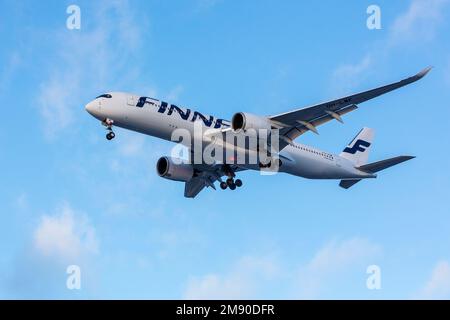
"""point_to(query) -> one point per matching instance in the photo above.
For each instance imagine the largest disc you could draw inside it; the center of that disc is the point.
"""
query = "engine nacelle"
(243, 121)
(174, 169)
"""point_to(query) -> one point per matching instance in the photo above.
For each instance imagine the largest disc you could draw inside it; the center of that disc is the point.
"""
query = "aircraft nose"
(90, 108)
(93, 108)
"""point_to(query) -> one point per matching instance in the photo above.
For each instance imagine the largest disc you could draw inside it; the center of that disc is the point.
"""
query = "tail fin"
(375, 167)
(358, 149)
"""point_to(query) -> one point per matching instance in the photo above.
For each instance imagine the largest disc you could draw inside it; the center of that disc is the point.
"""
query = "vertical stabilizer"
(358, 149)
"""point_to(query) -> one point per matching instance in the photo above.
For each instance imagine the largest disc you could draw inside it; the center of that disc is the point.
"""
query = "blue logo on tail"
(359, 145)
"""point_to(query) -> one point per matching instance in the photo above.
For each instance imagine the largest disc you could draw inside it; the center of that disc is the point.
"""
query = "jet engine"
(173, 169)
(243, 121)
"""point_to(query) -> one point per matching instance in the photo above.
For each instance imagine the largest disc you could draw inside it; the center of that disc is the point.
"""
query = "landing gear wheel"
(232, 186)
(230, 182)
(238, 183)
(110, 135)
(223, 185)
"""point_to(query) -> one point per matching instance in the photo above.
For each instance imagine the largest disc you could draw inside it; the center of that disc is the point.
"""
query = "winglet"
(423, 73)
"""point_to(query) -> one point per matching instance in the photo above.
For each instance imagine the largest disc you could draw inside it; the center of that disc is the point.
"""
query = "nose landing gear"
(108, 123)
(110, 135)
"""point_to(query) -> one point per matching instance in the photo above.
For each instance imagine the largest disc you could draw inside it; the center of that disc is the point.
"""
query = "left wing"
(294, 123)
(193, 187)
(205, 177)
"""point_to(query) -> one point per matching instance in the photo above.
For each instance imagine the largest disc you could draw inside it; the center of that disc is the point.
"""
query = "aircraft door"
(131, 101)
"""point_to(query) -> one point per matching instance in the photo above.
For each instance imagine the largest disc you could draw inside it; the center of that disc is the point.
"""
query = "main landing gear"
(108, 123)
(230, 182)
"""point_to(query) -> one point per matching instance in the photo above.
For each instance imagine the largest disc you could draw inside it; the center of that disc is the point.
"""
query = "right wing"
(294, 123)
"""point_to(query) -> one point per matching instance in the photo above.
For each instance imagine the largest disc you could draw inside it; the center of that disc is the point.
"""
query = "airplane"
(160, 119)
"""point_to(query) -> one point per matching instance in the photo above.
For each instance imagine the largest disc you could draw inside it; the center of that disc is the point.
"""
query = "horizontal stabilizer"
(375, 167)
(384, 164)
(348, 183)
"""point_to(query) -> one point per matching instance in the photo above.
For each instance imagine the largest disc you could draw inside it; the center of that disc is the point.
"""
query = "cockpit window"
(106, 95)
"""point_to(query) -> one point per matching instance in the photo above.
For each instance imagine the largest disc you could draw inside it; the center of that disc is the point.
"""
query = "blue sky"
(67, 196)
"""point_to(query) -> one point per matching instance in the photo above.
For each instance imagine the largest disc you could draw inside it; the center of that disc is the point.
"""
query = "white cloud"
(334, 257)
(132, 144)
(242, 282)
(21, 202)
(170, 242)
(438, 286)
(55, 105)
(206, 4)
(420, 21)
(252, 277)
(175, 93)
(59, 239)
(152, 92)
(9, 69)
(91, 56)
(65, 235)
(347, 76)
(447, 73)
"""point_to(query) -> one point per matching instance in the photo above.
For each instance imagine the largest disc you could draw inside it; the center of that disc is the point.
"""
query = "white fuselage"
(160, 119)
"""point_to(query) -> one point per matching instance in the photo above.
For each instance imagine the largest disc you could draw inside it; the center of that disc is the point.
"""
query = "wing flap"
(294, 132)
(193, 187)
